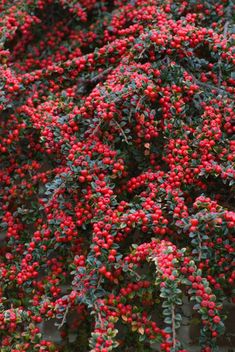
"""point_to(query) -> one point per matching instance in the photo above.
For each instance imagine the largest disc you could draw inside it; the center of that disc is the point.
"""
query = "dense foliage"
(117, 172)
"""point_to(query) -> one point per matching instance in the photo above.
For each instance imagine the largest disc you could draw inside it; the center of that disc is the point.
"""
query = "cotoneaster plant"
(117, 172)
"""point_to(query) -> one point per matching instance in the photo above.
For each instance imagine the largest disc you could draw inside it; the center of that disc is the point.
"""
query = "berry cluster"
(117, 172)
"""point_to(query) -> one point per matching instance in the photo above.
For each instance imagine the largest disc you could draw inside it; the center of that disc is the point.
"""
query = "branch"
(96, 128)
(206, 85)
(123, 133)
(93, 80)
(173, 326)
(99, 316)
(226, 28)
(64, 317)
(54, 194)
(101, 75)
(134, 272)
(200, 248)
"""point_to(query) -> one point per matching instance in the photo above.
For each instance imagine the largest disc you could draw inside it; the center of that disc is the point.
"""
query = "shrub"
(117, 171)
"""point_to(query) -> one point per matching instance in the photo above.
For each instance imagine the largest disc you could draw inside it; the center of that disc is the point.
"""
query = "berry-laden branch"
(117, 172)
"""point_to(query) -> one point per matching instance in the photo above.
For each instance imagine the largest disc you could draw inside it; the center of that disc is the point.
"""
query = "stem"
(142, 53)
(173, 326)
(101, 75)
(200, 248)
(226, 28)
(203, 84)
(99, 316)
(54, 194)
(64, 317)
(134, 272)
(139, 102)
(123, 133)
(96, 128)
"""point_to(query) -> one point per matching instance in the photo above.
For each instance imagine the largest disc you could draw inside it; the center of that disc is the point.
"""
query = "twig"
(99, 316)
(139, 102)
(173, 326)
(64, 317)
(96, 128)
(135, 273)
(229, 11)
(93, 80)
(226, 28)
(220, 72)
(54, 194)
(140, 55)
(123, 133)
(206, 85)
(219, 62)
(200, 248)
(210, 86)
(130, 114)
(101, 75)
